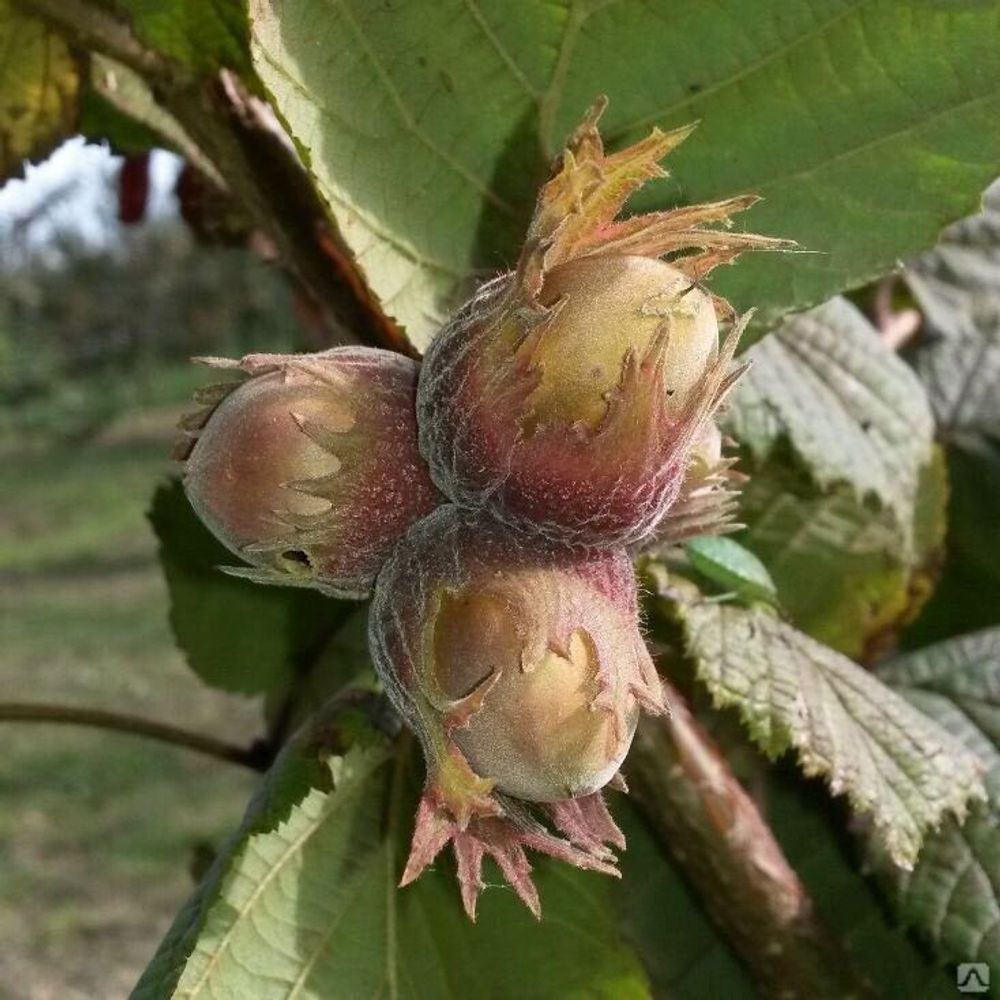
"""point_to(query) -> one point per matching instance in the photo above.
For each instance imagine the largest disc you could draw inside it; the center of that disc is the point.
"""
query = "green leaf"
(120, 108)
(201, 34)
(957, 682)
(39, 84)
(663, 918)
(427, 126)
(957, 284)
(853, 412)
(303, 902)
(958, 359)
(845, 504)
(952, 897)
(811, 834)
(839, 564)
(961, 373)
(961, 270)
(236, 635)
(728, 564)
(889, 759)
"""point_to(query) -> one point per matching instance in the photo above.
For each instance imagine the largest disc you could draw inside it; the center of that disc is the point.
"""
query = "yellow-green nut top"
(609, 310)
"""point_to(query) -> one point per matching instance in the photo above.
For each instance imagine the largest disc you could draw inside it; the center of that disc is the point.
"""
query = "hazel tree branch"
(256, 757)
(240, 136)
(714, 832)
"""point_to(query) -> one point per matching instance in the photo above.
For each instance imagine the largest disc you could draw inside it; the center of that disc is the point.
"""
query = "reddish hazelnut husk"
(520, 666)
(565, 397)
(308, 469)
(708, 500)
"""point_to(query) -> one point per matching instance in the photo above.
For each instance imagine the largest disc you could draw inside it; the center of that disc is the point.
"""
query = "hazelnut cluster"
(492, 498)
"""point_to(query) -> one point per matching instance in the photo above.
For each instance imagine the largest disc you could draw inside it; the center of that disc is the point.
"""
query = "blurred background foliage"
(100, 833)
(87, 331)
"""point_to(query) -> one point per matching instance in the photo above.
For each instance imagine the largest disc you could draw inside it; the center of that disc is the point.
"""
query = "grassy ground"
(97, 830)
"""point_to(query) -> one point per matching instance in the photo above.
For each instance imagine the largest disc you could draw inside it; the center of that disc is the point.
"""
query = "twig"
(716, 835)
(257, 757)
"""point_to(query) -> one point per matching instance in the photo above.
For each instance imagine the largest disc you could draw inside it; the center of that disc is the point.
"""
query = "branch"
(256, 757)
(716, 835)
(239, 134)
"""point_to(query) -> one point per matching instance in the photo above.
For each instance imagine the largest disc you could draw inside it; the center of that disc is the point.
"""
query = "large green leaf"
(237, 635)
(427, 125)
(890, 760)
(39, 82)
(845, 503)
(304, 903)
(952, 897)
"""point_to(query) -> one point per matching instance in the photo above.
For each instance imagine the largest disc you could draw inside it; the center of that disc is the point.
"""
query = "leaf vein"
(410, 123)
(745, 71)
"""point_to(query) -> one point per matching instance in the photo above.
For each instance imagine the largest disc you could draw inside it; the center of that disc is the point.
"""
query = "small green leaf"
(732, 566)
(237, 635)
(428, 126)
(952, 897)
(889, 759)
(39, 85)
(303, 902)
